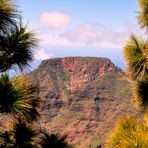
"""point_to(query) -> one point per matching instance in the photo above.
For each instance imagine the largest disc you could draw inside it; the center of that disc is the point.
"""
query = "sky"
(96, 28)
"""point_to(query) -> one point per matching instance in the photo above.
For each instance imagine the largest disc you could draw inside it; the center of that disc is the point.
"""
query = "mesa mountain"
(81, 97)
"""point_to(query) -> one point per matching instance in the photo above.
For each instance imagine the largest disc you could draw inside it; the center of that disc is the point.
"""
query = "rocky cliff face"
(81, 97)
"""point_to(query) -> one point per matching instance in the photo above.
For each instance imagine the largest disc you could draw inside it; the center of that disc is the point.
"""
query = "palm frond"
(23, 135)
(20, 135)
(7, 94)
(129, 132)
(142, 3)
(5, 139)
(8, 15)
(53, 140)
(16, 48)
(143, 14)
(18, 98)
(140, 94)
(136, 57)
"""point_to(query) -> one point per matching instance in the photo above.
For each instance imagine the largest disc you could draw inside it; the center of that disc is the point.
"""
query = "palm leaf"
(8, 15)
(143, 14)
(129, 132)
(16, 48)
(135, 54)
(20, 135)
(53, 141)
(140, 94)
(23, 135)
(18, 98)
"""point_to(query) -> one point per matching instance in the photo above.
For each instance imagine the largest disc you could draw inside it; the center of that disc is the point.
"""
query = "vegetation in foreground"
(131, 132)
(17, 97)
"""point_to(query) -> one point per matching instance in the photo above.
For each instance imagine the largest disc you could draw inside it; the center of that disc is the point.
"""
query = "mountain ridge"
(81, 97)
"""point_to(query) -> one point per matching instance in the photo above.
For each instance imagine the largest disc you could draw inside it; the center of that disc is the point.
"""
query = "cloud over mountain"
(55, 19)
(88, 34)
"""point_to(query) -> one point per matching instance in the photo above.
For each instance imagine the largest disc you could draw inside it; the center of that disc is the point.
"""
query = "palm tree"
(5, 139)
(136, 57)
(143, 14)
(8, 15)
(18, 98)
(16, 50)
(16, 42)
(129, 132)
(140, 94)
(53, 141)
(23, 135)
(20, 136)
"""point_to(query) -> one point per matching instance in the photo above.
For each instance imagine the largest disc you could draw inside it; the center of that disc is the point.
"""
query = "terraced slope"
(82, 97)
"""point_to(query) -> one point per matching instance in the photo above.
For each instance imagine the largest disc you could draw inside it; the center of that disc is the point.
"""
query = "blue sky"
(81, 27)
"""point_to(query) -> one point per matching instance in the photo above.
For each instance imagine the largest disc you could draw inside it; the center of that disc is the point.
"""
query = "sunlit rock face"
(81, 97)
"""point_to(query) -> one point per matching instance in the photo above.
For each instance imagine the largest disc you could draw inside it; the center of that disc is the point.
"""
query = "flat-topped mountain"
(82, 97)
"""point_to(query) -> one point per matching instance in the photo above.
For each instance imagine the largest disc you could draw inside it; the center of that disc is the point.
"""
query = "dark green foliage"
(27, 103)
(53, 141)
(8, 95)
(140, 93)
(20, 136)
(5, 140)
(8, 15)
(23, 135)
(16, 48)
(18, 98)
(16, 42)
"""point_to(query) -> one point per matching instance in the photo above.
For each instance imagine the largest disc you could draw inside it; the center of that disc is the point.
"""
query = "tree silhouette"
(20, 135)
(53, 141)
(23, 135)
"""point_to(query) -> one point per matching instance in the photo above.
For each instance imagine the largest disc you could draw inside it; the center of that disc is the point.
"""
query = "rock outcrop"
(82, 97)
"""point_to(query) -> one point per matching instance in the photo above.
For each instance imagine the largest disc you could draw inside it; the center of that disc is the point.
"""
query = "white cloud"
(42, 55)
(80, 34)
(55, 19)
(87, 35)
(95, 34)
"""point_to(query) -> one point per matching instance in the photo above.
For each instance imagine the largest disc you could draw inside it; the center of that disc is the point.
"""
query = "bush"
(140, 94)
(130, 132)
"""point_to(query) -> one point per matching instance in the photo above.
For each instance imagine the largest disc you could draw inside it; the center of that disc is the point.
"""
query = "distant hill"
(82, 97)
